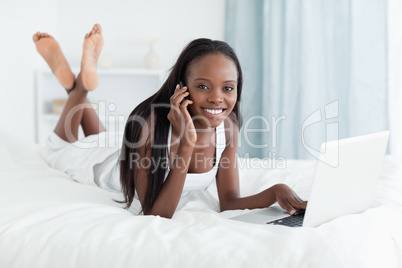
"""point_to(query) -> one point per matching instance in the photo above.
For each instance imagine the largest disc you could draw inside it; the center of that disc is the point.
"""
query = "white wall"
(125, 24)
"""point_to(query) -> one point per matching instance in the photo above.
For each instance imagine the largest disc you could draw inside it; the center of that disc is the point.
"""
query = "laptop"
(345, 182)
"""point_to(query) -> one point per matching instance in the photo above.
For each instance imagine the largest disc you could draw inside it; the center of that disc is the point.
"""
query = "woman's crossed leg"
(77, 111)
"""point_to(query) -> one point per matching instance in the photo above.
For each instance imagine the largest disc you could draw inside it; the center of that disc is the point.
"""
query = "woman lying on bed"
(180, 139)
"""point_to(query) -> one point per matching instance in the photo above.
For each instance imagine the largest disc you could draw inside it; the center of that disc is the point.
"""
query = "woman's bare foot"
(50, 50)
(92, 48)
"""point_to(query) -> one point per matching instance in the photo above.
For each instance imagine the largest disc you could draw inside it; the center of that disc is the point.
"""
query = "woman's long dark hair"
(132, 133)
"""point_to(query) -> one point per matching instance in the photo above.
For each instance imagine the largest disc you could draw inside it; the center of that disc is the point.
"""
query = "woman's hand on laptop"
(288, 199)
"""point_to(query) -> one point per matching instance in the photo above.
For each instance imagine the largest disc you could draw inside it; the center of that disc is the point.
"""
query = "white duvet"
(48, 220)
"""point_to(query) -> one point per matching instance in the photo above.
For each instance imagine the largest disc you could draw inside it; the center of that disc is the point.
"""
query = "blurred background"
(313, 70)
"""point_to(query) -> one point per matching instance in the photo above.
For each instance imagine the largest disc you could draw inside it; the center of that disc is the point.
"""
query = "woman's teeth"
(214, 111)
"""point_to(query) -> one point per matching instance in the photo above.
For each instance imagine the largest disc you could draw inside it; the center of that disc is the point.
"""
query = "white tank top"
(194, 181)
(200, 181)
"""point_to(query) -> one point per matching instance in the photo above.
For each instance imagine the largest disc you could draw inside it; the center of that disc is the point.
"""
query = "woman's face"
(212, 84)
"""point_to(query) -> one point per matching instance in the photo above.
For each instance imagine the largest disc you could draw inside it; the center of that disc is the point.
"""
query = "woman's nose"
(215, 97)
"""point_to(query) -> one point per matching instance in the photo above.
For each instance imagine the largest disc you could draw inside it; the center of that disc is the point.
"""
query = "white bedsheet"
(48, 220)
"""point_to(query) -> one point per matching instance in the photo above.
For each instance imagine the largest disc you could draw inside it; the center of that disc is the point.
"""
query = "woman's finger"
(286, 206)
(299, 199)
(179, 99)
(177, 93)
(174, 95)
(183, 107)
(297, 204)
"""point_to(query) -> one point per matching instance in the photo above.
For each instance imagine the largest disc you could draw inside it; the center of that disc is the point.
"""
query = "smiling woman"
(179, 140)
(198, 121)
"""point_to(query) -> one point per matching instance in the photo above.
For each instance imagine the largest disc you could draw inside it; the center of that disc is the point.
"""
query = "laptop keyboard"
(291, 221)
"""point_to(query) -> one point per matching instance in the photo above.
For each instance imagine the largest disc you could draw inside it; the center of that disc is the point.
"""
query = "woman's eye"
(203, 87)
(228, 88)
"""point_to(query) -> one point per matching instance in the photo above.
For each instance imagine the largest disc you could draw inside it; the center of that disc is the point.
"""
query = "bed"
(49, 220)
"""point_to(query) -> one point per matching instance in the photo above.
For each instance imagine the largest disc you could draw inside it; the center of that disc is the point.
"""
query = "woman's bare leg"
(70, 119)
(51, 52)
(92, 48)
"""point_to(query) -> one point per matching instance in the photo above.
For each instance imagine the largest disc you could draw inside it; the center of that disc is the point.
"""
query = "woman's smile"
(213, 112)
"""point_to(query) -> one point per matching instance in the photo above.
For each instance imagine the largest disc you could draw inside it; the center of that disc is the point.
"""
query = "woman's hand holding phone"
(180, 118)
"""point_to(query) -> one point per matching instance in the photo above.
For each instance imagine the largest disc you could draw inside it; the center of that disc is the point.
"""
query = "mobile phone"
(181, 86)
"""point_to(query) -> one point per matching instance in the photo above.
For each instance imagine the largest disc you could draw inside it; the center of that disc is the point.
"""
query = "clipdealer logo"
(331, 111)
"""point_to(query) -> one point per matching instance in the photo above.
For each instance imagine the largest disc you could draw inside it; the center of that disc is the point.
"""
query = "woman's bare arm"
(169, 196)
(228, 182)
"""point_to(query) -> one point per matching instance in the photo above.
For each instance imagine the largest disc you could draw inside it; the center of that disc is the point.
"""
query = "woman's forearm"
(280, 193)
(261, 200)
(169, 196)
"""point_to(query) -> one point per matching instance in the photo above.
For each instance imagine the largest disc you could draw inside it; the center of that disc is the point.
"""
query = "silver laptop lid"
(346, 177)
